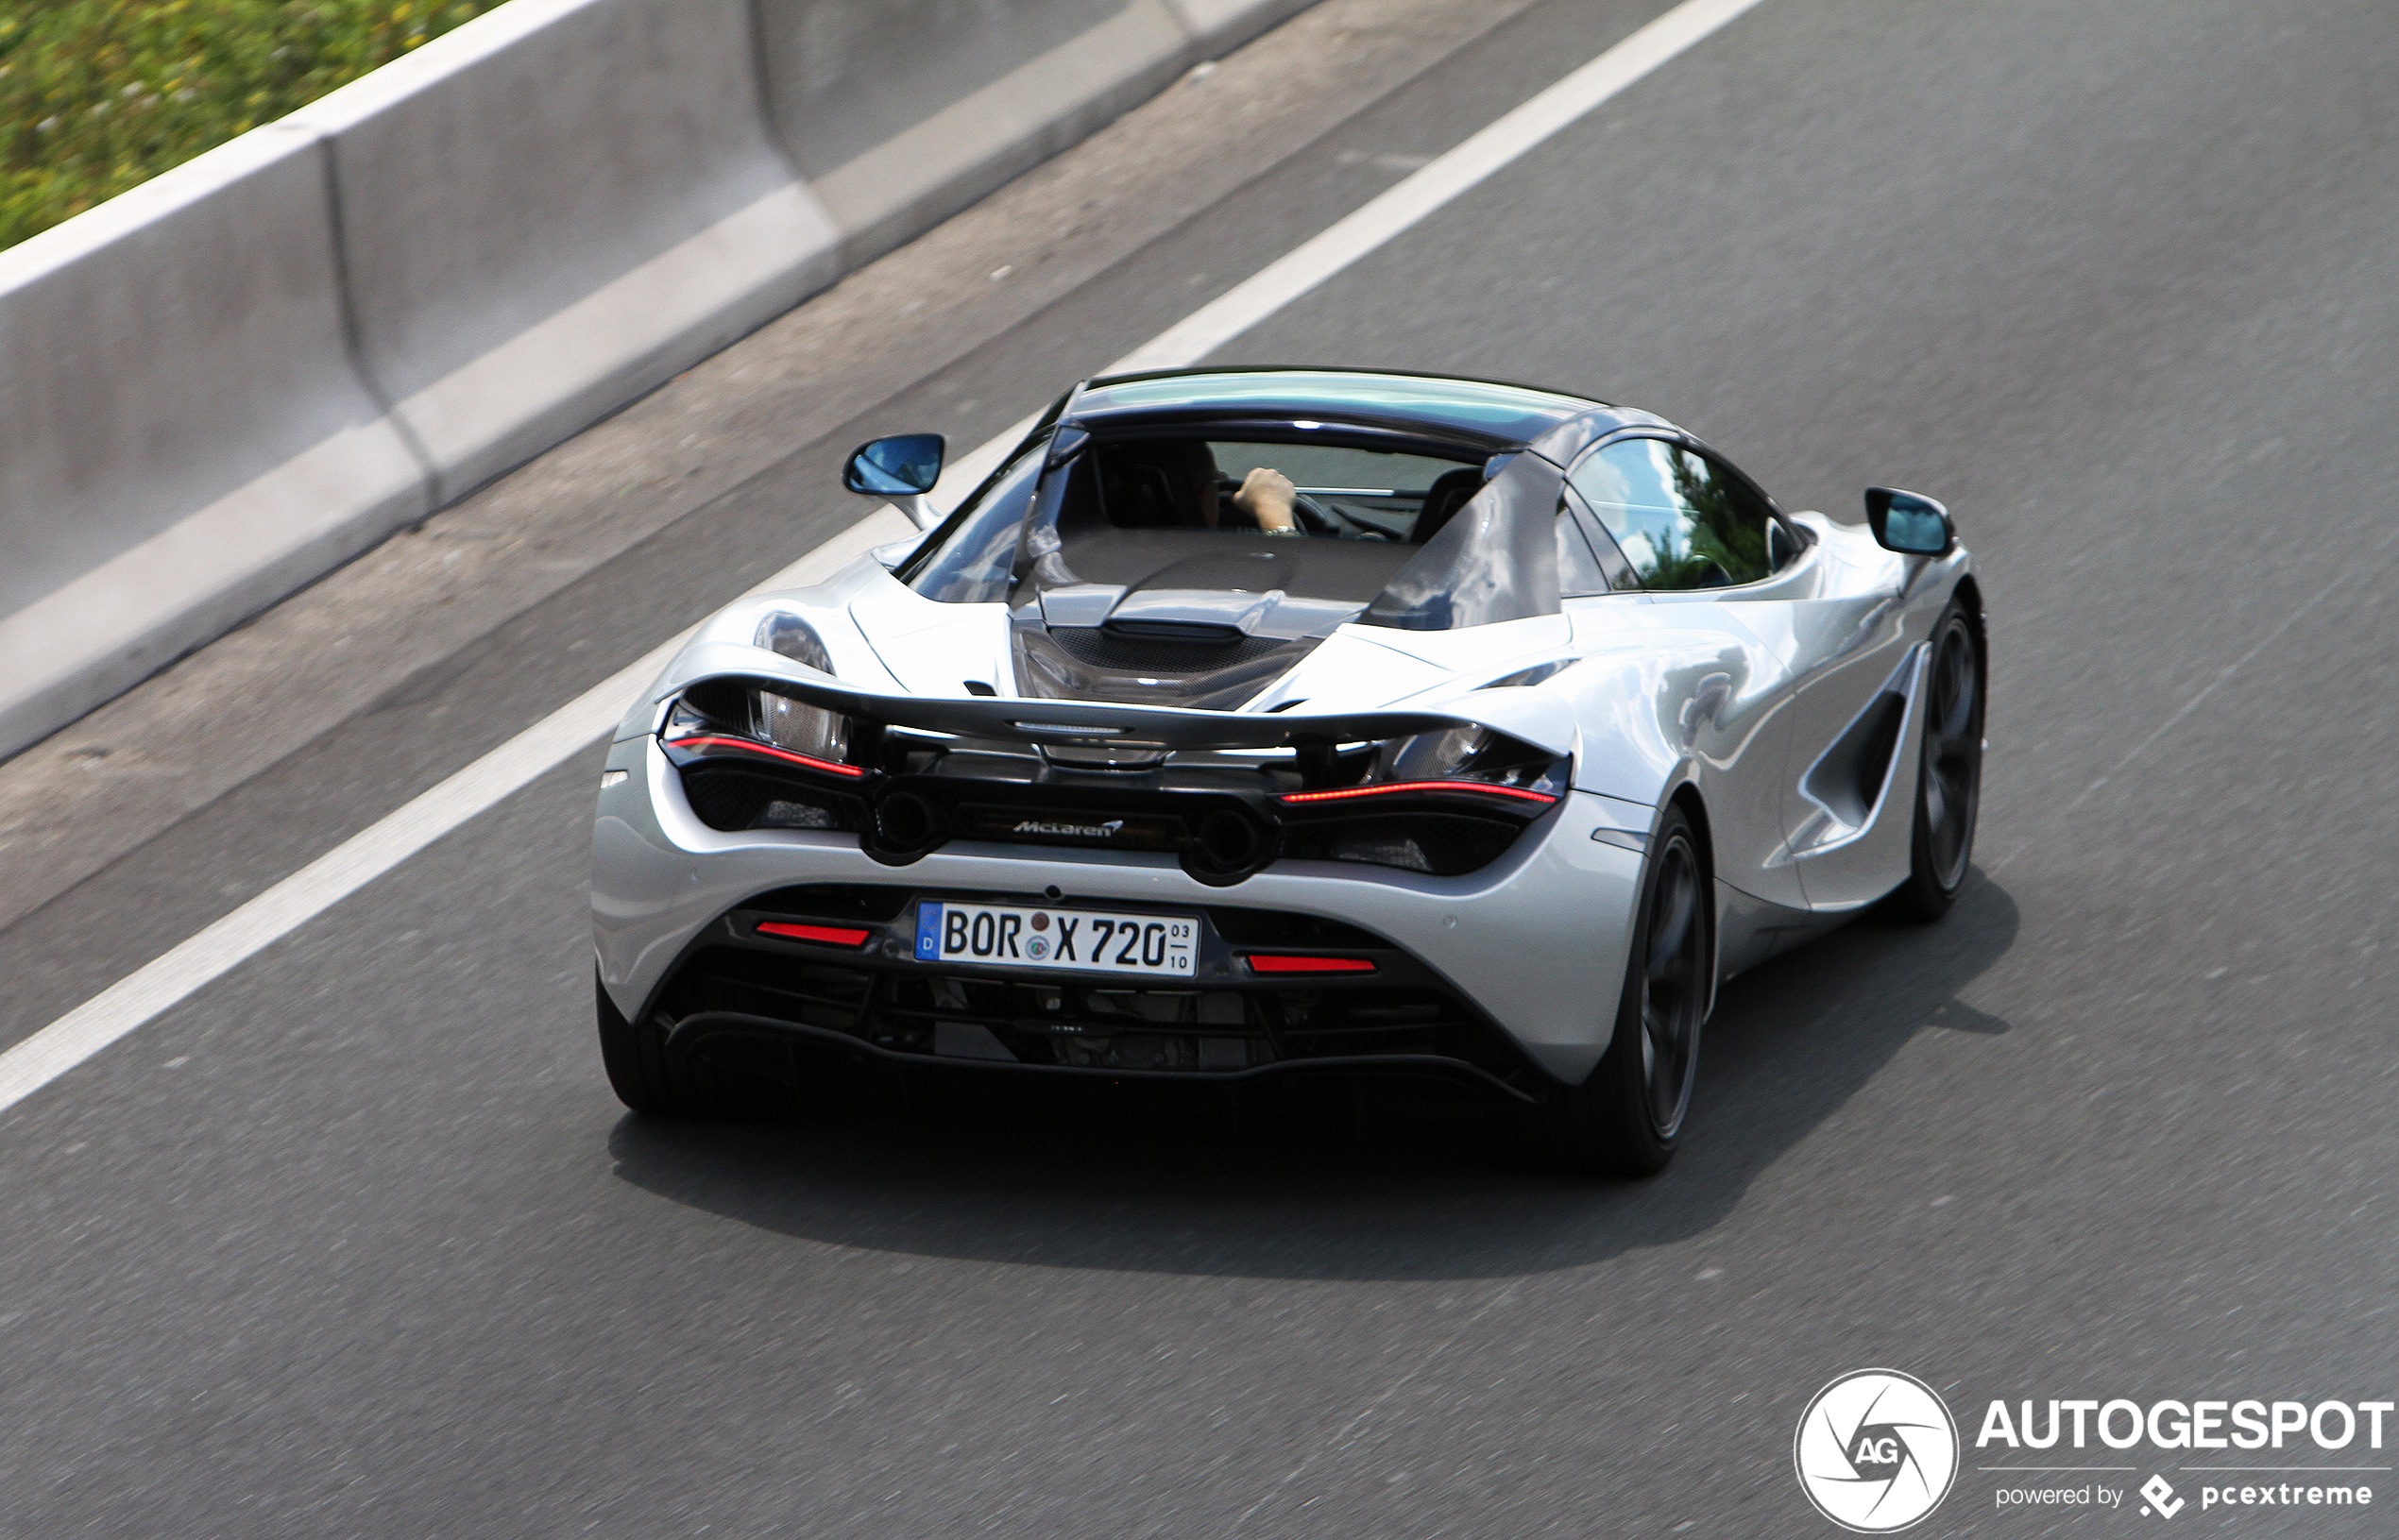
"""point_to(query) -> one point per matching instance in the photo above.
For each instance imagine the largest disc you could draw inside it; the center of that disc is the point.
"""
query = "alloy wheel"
(1952, 755)
(1674, 988)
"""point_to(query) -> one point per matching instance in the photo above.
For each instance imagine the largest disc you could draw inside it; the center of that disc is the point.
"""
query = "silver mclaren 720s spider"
(1251, 726)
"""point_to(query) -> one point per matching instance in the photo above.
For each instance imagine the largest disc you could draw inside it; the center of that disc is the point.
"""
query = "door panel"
(1844, 630)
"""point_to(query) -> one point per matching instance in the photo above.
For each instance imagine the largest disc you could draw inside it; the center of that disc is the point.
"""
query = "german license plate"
(1080, 938)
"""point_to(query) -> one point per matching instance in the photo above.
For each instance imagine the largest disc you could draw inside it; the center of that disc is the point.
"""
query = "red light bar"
(707, 741)
(829, 935)
(1483, 788)
(1273, 963)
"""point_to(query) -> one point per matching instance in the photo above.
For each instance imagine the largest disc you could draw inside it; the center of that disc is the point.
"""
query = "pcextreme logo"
(1876, 1450)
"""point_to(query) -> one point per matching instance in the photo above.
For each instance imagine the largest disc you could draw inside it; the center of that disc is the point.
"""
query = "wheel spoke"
(1663, 1028)
(1663, 1062)
(1671, 970)
(1670, 930)
(1945, 848)
(1952, 754)
(1954, 715)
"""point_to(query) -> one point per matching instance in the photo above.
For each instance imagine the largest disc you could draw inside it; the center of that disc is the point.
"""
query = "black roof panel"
(1480, 410)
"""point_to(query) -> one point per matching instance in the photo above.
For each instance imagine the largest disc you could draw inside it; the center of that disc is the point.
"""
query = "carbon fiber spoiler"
(1528, 715)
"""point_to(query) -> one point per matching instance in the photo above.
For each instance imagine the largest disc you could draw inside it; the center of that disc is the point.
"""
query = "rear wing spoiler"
(1528, 715)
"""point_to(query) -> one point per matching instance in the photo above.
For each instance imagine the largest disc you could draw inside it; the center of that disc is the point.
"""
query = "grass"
(98, 95)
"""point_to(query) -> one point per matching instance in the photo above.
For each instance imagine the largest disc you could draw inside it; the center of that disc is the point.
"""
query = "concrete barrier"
(901, 113)
(555, 206)
(183, 438)
(1217, 25)
(230, 379)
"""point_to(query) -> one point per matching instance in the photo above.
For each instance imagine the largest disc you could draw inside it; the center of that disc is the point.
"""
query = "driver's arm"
(1266, 495)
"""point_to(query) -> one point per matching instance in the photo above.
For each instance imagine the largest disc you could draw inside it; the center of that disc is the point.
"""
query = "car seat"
(1449, 491)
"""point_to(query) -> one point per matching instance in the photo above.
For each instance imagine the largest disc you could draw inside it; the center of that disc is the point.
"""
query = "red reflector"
(829, 935)
(1482, 788)
(1270, 963)
(769, 750)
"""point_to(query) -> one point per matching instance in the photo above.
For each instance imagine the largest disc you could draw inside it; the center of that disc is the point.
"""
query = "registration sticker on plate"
(1106, 943)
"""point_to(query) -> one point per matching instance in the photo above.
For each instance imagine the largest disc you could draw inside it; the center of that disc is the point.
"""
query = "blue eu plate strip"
(929, 932)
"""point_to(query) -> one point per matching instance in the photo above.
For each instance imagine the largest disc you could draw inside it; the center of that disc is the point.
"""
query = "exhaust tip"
(906, 822)
(1227, 847)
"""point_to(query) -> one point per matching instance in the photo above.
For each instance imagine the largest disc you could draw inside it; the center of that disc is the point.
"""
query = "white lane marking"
(375, 849)
(368, 855)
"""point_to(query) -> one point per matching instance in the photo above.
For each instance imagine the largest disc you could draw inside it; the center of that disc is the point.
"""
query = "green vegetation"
(96, 95)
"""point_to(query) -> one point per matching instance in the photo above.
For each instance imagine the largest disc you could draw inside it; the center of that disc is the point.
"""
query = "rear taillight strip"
(1270, 962)
(751, 746)
(1478, 788)
(828, 935)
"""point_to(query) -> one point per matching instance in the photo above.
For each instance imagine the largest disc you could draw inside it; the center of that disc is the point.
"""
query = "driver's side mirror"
(903, 468)
(1908, 522)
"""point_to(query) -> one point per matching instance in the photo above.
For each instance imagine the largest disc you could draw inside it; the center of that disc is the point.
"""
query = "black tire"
(1949, 792)
(1628, 1117)
(636, 1061)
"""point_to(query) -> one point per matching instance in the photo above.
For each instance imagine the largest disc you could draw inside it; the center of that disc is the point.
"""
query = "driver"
(1265, 499)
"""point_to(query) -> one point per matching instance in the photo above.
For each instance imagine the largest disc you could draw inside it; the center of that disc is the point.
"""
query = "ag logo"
(1876, 1450)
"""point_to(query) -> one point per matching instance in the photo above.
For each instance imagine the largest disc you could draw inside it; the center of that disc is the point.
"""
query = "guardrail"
(227, 382)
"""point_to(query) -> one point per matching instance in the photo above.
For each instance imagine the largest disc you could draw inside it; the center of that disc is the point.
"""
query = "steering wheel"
(1313, 516)
(1306, 512)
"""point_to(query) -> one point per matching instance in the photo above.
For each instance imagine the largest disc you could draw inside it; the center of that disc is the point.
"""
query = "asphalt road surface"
(355, 1240)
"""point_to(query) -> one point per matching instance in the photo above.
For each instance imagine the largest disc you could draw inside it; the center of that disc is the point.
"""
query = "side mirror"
(1908, 522)
(903, 468)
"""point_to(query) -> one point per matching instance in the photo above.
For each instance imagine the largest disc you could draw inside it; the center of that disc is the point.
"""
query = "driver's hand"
(1266, 495)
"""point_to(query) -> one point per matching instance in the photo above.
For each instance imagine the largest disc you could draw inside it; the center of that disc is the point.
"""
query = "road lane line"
(159, 986)
(376, 849)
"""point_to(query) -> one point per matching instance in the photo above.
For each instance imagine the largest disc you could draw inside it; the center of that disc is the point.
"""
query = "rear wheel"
(1949, 777)
(636, 1060)
(1626, 1119)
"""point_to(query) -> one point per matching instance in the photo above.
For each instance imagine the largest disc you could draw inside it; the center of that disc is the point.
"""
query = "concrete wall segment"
(163, 350)
(497, 179)
(183, 439)
(900, 113)
(225, 382)
(1220, 25)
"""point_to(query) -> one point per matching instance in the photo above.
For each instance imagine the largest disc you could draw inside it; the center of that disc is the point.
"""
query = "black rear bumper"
(744, 1004)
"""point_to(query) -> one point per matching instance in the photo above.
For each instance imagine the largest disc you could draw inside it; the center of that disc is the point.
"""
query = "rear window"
(1338, 493)
(1392, 536)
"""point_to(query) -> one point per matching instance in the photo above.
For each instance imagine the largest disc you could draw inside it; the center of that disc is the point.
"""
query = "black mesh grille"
(1272, 927)
(834, 901)
(729, 799)
(1440, 844)
(781, 989)
(726, 797)
(1098, 648)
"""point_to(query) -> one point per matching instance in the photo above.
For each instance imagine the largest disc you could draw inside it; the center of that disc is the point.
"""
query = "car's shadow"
(1401, 1198)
